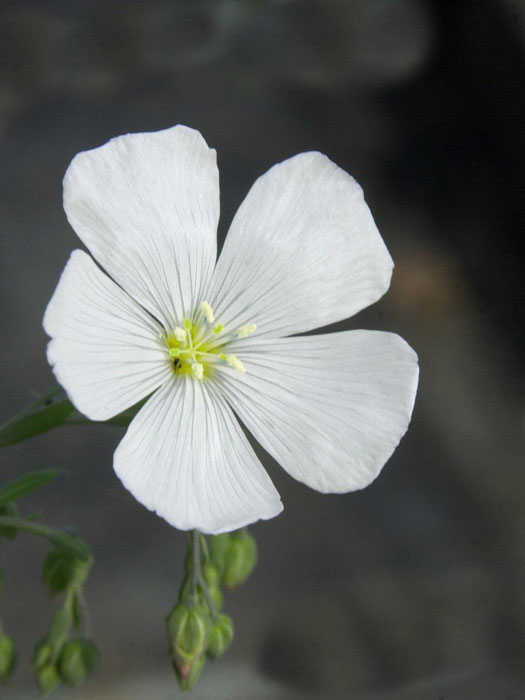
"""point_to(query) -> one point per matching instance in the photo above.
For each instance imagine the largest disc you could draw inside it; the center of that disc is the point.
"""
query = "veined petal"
(147, 207)
(106, 351)
(330, 409)
(185, 457)
(303, 251)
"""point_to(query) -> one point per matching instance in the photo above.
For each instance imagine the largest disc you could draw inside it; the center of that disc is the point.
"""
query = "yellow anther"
(180, 334)
(234, 362)
(218, 329)
(198, 370)
(174, 352)
(207, 311)
(187, 325)
(245, 331)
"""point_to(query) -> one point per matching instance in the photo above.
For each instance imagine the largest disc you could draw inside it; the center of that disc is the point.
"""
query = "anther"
(198, 370)
(245, 331)
(207, 311)
(233, 361)
(180, 333)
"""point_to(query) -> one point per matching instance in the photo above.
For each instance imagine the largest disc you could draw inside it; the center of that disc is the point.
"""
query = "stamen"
(187, 325)
(245, 331)
(233, 361)
(198, 370)
(180, 334)
(207, 311)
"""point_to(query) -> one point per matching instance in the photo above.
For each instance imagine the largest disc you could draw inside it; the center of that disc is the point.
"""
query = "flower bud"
(47, 679)
(211, 574)
(216, 596)
(7, 657)
(77, 661)
(58, 570)
(240, 559)
(221, 636)
(188, 628)
(41, 654)
(189, 681)
(218, 547)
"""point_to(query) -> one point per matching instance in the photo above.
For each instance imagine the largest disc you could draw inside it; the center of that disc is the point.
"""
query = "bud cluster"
(57, 657)
(196, 627)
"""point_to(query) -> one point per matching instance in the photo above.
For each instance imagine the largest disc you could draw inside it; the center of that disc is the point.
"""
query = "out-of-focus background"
(415, 587)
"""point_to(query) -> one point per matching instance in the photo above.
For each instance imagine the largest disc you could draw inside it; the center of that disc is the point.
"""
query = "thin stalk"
(198, 578)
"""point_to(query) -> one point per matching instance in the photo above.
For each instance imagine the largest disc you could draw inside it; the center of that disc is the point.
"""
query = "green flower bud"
(221, 636)
(7, 657)
(216, 596)
(240, 559)
(41, 654)
(211, 574)
(189, 681)
(58, 570)
(77, 661)
(188, 628)
(218, 547)
(47, 679)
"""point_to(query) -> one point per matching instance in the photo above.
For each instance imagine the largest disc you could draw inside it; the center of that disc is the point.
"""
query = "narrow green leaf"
(73, 546)
(26, 425)
(26, 484)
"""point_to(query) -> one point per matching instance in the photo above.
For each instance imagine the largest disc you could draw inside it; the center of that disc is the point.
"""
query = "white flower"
(207, 340)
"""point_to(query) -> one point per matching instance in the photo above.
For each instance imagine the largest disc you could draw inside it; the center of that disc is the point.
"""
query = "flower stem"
(74, 546)
(198, 578)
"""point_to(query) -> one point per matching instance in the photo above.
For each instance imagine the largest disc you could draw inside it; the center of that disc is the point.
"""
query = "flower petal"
(147, 207)
(331, 408)
(186, 457)
(106, 351)
(303, 251)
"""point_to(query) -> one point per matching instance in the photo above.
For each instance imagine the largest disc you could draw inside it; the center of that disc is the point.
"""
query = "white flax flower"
(206, 340)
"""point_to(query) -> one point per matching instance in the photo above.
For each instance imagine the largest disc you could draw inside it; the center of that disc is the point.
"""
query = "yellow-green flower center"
(195, 347)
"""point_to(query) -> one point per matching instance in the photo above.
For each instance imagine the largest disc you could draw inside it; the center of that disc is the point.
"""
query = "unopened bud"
(7, 657)
(77, 661)
(211, 574)
(47, 679)
(41, 654)
(218, 547)
(216, 596)
(189, 681)
(240, 559)
(188, 628)
(221, 636)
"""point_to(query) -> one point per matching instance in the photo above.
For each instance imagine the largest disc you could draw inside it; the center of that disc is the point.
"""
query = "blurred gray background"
(413, 588)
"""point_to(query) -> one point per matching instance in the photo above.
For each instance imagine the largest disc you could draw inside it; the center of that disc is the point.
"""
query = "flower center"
(195, 347)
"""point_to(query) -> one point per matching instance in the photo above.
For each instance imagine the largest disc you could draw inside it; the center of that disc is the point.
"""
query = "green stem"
(75, 547)
(198, 578)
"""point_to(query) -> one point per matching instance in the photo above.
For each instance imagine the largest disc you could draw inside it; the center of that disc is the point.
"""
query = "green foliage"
(9, 510)
(7, 657)
(24, 426)
(25, 485)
